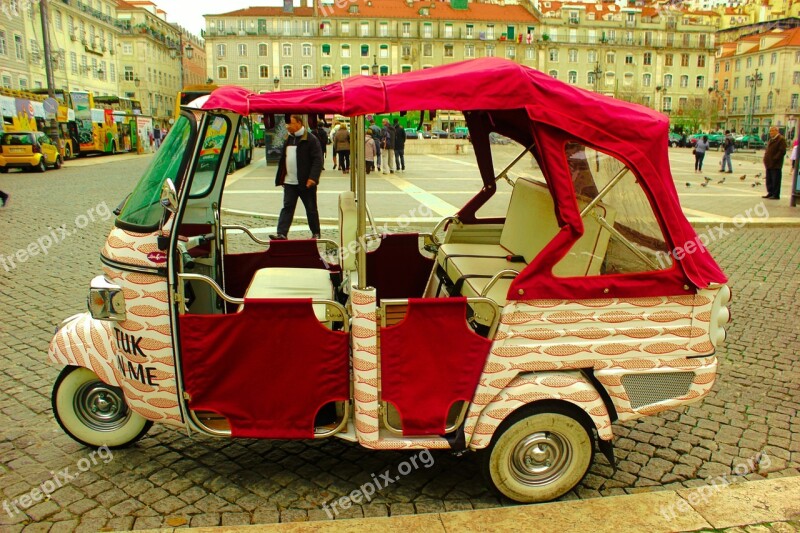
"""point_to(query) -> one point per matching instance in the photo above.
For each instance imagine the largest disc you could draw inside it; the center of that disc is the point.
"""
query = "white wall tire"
(538, 454)
(95, 413)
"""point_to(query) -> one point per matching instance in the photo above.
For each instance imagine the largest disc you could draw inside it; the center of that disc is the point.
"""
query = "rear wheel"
(538, 454)
(95, 413)
(68, 152)
(58, 163)
(41, 167)
(3, 170)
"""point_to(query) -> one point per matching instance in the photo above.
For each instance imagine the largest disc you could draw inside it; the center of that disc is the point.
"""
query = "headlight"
(106, 301)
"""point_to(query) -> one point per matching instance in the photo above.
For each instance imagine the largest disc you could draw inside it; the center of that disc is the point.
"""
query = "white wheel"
(95, 413)
(538, 454)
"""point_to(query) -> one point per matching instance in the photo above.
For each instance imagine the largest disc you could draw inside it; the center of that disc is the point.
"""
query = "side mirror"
(169, 196)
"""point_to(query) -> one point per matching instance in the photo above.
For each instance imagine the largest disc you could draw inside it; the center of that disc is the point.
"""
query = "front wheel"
(58, 163)
(538, 454)
(95, 413)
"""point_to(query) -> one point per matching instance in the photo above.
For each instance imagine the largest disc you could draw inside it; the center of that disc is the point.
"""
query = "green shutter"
(510, 33)
(326, 49)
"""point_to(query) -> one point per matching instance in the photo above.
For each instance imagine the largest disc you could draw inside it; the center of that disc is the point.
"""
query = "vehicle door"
(49, 150)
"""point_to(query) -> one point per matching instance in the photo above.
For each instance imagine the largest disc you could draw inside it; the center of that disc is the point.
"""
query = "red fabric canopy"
(635, 134)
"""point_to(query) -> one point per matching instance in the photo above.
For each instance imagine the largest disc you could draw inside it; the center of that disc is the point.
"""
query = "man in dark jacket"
(773, 162)
(399, 146)
(387, 147)
(298, 173)
(377, 136)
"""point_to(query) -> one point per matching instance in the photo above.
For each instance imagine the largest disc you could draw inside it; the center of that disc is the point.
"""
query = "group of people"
(384, 148)
(303, 160)
(773, 158)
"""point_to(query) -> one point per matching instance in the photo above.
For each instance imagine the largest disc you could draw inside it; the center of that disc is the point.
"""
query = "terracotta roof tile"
(394, 9)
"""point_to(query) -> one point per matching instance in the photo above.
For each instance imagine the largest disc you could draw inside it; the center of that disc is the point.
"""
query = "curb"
(706, 508)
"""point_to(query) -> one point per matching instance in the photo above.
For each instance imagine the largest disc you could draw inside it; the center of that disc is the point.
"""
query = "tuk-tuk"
(521, 337)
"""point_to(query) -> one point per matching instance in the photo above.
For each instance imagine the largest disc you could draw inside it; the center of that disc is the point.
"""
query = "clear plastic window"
(213, 144)
(622, 235)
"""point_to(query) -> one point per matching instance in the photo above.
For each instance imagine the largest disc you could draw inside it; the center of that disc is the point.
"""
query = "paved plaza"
(748, 428)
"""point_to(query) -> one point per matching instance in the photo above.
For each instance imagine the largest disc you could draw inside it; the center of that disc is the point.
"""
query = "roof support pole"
(358, 172)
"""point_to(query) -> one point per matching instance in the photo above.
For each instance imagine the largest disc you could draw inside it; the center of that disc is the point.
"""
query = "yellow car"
(28, 149)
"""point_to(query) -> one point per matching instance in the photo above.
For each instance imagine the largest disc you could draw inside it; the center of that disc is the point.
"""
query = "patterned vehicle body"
(225, 350)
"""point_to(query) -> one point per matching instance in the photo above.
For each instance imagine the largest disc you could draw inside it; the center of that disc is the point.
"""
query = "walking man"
(377, 136)
(298, 173)
(4, 197)
(387, 148)
(727, 147)
(773, 162)
(399, 146)
(157, 137)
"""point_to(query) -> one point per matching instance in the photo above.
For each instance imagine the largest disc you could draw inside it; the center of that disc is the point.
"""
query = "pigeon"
(743, 177)
(704, 184)
(688, 184)
(756, 184)
(758, 175)
(721, 181)
(707, 179)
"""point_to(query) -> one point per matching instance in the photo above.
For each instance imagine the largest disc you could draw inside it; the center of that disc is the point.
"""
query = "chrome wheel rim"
(101, 407)
(540, 458)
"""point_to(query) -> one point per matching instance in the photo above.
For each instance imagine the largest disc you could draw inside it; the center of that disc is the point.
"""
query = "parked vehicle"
(676, 139)
(524, 336)
(749, 141)
(412, 133)
(439, 134)
(28, 150)
(460, 133)
(496, 138)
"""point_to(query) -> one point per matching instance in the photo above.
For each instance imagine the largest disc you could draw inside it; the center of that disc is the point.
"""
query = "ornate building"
(757, 83)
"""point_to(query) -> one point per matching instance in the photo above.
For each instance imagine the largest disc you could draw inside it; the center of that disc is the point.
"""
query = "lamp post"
(753, 82)
(374, 64)
(185, 51)
(597, 73)
(276, 82)
(662, 89)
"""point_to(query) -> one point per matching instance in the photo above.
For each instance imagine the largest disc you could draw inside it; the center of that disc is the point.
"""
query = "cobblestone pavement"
(171, 479)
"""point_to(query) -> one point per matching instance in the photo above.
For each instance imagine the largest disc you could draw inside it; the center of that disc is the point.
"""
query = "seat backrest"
(531, 221)
(586, 256)
(348, 225)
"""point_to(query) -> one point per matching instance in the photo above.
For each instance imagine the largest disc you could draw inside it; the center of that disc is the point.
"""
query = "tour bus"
(24, 111)
(124, 113)
(523, 337)
(244, 141)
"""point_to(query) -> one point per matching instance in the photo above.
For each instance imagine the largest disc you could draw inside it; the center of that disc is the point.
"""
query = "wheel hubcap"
(540, 458)
(101, 407)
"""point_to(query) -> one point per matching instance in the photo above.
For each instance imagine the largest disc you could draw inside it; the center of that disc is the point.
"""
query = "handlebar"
(187, 243)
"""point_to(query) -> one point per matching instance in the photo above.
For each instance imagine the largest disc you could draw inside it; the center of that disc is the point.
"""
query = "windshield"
(143, 208)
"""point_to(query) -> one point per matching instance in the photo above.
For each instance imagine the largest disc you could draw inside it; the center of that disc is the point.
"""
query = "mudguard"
(525, 389)
(84, 341)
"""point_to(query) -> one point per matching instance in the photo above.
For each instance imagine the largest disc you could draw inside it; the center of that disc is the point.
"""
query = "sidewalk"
(754, 506)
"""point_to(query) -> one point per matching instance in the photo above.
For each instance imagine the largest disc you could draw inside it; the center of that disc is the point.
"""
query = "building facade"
(101, 46)
(757, 83)
(660, 59)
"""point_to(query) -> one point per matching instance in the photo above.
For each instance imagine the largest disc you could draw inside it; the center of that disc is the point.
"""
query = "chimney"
(288, 6)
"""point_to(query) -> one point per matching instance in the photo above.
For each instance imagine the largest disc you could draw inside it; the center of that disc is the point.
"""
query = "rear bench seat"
(466, 268)
(312, 283)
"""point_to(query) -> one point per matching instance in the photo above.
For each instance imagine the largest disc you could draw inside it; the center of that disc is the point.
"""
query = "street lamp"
(597, 73)
(374, 64)
(753, 82)
(137, 81)
(181, 52)
(276, 82)
(662, 89)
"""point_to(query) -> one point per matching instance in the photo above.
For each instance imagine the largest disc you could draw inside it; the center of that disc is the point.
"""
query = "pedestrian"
(157, 137)
(399, 146)
(377, 136)
(341, 143)
(370, 150)
(322, 137)
(727, 147)
(793, 157)
(4, 196)
(700, 153)
(387, 148)
(334, 129)
(773, 161)
(298, 173)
